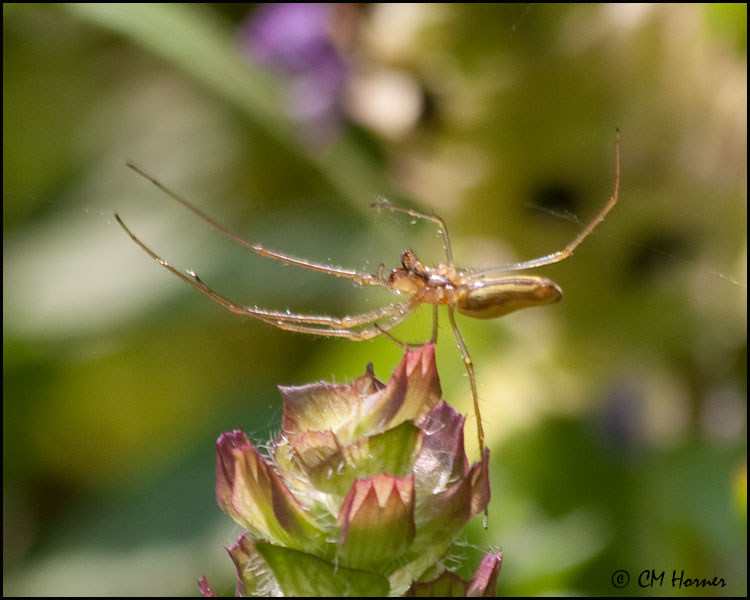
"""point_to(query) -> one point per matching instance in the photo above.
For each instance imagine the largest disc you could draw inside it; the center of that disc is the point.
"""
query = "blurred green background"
(616, 419)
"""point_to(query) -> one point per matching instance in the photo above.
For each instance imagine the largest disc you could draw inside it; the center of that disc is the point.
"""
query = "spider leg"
(472, 378)
(413, 345)
(434, 324)
(568, 250)
(272, 317)
(442, 229)
(356, 276)
(356, 336)
(473, 383)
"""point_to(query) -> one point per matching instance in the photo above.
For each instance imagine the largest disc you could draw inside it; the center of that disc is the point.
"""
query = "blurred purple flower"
(294, 38)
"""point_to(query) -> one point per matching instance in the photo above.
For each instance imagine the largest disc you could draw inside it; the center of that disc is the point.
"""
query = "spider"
(484, 293)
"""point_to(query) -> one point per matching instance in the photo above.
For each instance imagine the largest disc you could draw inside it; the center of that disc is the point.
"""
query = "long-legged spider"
(479, 293)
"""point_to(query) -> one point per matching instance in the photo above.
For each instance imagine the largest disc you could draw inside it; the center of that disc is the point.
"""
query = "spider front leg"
(274, 317)
(356, 276)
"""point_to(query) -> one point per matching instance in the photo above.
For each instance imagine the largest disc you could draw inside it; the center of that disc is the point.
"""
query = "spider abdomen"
(495, 298)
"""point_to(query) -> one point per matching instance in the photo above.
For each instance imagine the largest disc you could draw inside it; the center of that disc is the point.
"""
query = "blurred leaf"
(197, 42)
